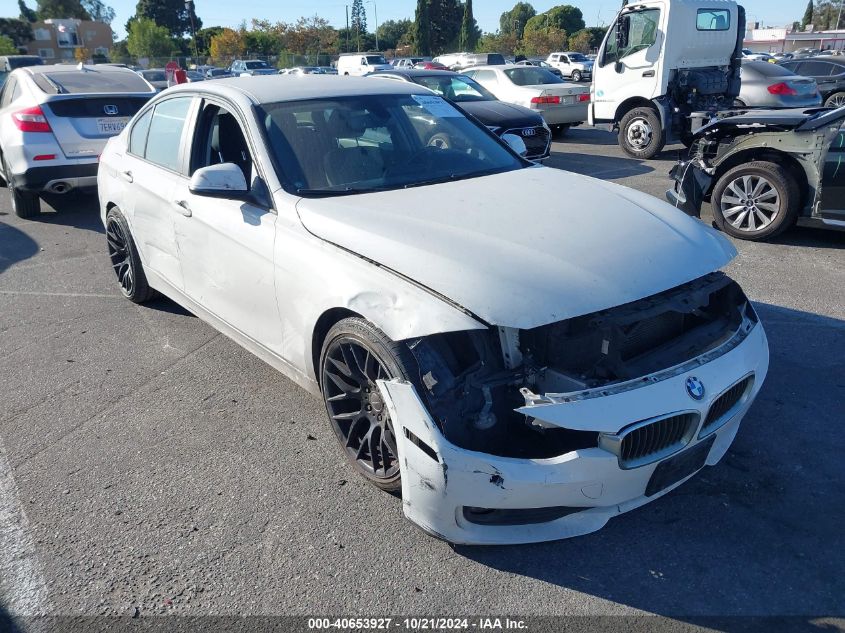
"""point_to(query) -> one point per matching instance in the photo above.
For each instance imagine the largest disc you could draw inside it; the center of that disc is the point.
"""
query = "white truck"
(665, 68)
(358, 64)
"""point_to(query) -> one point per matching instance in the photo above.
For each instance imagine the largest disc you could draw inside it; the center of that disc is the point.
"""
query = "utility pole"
(375, 12)
(839, 17)
(347, 28)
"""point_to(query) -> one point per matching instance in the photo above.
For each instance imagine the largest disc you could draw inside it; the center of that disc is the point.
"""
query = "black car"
(828, 73)
(765, 170)
(500, 117)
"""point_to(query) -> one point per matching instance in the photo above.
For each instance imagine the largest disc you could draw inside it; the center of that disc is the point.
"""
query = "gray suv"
(243, 67)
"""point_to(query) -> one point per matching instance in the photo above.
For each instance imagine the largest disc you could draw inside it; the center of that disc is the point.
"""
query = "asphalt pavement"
(149, 465)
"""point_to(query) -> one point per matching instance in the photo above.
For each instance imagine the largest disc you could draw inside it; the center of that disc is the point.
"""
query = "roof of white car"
(274, 88)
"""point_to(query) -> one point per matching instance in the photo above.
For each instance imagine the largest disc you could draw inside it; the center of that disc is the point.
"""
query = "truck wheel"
(355, 355)
(755, 201)
(576, 75)
(640, 133)
(836, 100)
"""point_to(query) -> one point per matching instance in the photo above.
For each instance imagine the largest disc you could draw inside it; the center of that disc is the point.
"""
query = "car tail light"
(45, 157)
(31, 120)
(555, 100)
(782, 88)
(584, 97)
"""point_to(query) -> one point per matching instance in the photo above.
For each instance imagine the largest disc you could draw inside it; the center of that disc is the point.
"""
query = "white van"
(361, 64)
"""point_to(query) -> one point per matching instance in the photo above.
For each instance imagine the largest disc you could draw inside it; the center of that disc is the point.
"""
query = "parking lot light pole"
(375, 13)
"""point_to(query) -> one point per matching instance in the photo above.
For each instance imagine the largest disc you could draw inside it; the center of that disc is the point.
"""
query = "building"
(57, 41)
(778, 40)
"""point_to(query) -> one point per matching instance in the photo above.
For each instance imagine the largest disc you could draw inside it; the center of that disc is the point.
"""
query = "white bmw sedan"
(524, 352)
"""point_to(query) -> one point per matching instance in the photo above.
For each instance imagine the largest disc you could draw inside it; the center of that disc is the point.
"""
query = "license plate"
(567, 100)
(679, 467)
(112, 126)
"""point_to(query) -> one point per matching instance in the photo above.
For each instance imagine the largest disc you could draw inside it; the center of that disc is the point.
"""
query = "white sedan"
(562, 104)
(521, 372)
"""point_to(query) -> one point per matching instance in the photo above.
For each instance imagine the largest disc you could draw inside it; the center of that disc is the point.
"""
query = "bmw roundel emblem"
(695, 388)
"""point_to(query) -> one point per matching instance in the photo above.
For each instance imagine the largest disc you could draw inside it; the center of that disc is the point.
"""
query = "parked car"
(803, 53)
(217, 73)
(250, 68)
(773, 86)
(541, 63)
(538, 369)
(54, 123)
(499, 117)
(431, 65)
(8, 63)
(829, 74)
(408, 62)
(764, 171)
(749, 55)
(304, 70)
(575, 66)
(156, 77)
(561, 104)
(468, 60)
(328, 70)
(194, 75)
(782, 57)
(358, 64)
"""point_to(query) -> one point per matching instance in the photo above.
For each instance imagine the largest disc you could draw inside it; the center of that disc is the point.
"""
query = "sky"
(487, 12)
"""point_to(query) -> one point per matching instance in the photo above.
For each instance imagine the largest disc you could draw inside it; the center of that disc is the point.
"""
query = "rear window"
(90, 81)
(713, 20)
(374, 60)
(532, 76)
(495, 59)
(154, 75)
(256, 65)
(766, 69)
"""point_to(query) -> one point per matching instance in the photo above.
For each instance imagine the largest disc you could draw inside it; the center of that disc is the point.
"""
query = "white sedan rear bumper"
(575, 493)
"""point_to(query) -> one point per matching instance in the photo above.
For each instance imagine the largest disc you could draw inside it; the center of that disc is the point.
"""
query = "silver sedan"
(772, 86)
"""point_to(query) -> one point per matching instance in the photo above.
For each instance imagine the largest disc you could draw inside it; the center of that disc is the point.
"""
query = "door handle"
(648, 73)
(182, 207)
(127, 176)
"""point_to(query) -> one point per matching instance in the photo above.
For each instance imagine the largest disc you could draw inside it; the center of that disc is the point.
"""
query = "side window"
(713, 20)
(564, 59)
(138, 134)
(219, 139)
(816, 69)
(9, 92)
(165, 134)
(485, 75)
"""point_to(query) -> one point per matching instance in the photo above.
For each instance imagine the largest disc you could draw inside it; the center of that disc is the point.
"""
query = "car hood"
(524, 248)
(501, 114)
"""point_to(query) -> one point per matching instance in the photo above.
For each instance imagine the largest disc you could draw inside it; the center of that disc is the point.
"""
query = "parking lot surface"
(148, 464)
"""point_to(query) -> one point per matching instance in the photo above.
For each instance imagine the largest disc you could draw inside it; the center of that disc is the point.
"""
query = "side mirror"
(515, 143)
(219, 181)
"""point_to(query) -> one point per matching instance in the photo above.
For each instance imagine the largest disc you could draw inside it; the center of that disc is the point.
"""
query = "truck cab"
(665, 68)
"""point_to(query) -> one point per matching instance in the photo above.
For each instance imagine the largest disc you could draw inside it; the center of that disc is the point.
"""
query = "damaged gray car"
(765, 171)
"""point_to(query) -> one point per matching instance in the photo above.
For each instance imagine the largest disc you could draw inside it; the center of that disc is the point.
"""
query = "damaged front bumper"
(691, 186)
(471, 497)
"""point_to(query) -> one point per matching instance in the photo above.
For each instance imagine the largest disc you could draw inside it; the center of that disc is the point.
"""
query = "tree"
(393, 33)
(505, 43)
(580, 42)
(228, 45)
(808, 14)
(445, 28)
(27, 14)
(421, 30)
(358, 20)
(147, 39)
(18, 31)
(539, 42)
(312, 36)
(59, 9)
(514, 21)
(566, 18)
(470, 33)
(203, 39)
(170, 14)
(265, 38)
(98, 11)
(7, 46)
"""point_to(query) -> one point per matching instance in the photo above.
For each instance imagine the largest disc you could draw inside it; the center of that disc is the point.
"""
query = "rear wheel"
(24, 203)
(576, 75)
(755, 201)
(560, 131)
(836, 100)
(125, 260)
(640, 133)
(355, 355)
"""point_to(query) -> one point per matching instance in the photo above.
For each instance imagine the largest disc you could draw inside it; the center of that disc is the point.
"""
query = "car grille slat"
(652, 441)
(723, 406)
(536, 143)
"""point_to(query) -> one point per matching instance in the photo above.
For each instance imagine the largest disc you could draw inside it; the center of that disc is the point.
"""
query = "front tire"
(576, 75)
(125, 259)
(355, 355)
(836, 100)
(641, 135)
(755, 201)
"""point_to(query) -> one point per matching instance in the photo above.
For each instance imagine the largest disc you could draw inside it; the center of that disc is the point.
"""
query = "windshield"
(254, 65)
(374, 143)
(532, 76)
(374, 60)
(154, 75)
(577, 57)
(457, 89)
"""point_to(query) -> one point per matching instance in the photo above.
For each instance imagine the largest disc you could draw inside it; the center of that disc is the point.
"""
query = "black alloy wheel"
(125, 259)
(355, 356)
